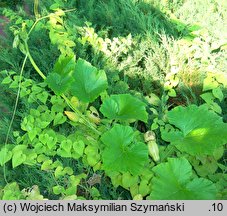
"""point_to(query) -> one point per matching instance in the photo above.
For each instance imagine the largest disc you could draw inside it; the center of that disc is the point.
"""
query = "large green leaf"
(89, 82)
(57, 83)
(173, 181)
(199, 131)
(122, 153)
(124, 107)
(60, 79)
(64, 65)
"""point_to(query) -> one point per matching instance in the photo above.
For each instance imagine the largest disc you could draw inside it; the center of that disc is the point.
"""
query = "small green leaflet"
(124, 107)
(78, 149)
(43, 97)
(89, 81)
(208, 97)
(65, 148)
(209, 83)
(5, 156)
(32, 133)
(122, 153)
(217, 92)
(59, 119)
(199, 130)
(18, 158)
(7, 80)
(58, 189)
(173, 181)
(47, 165)
(18, 155)
(11, 192)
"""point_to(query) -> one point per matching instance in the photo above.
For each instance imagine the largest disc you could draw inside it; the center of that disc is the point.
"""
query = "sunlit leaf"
(5, 155)
(78, 149)
(199, 131)
(209, 83)
(217, 92)
(7, 80)
(58, 189)
(208, 97)
(18, 158)
(173, 181)
(11, 192)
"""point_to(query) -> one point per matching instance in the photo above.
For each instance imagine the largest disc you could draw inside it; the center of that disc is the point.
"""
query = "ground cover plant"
(113, 100)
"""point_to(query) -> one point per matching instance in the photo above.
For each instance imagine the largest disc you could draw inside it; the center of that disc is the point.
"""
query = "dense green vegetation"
(113, 99)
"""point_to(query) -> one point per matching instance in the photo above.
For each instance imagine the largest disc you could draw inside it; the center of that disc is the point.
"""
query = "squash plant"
(104, 136)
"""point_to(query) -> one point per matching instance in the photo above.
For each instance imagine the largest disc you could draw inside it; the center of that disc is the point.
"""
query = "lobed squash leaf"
(173, 181)
(124, 107)
(64, 65)
(199, 130)
(122, 153)
(60, 79)
(89, 81)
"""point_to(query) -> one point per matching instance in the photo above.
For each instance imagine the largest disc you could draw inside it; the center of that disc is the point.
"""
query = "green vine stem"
(13, 116)
(45, 17)
(36, 6)
(85, 121)
(33, 62)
